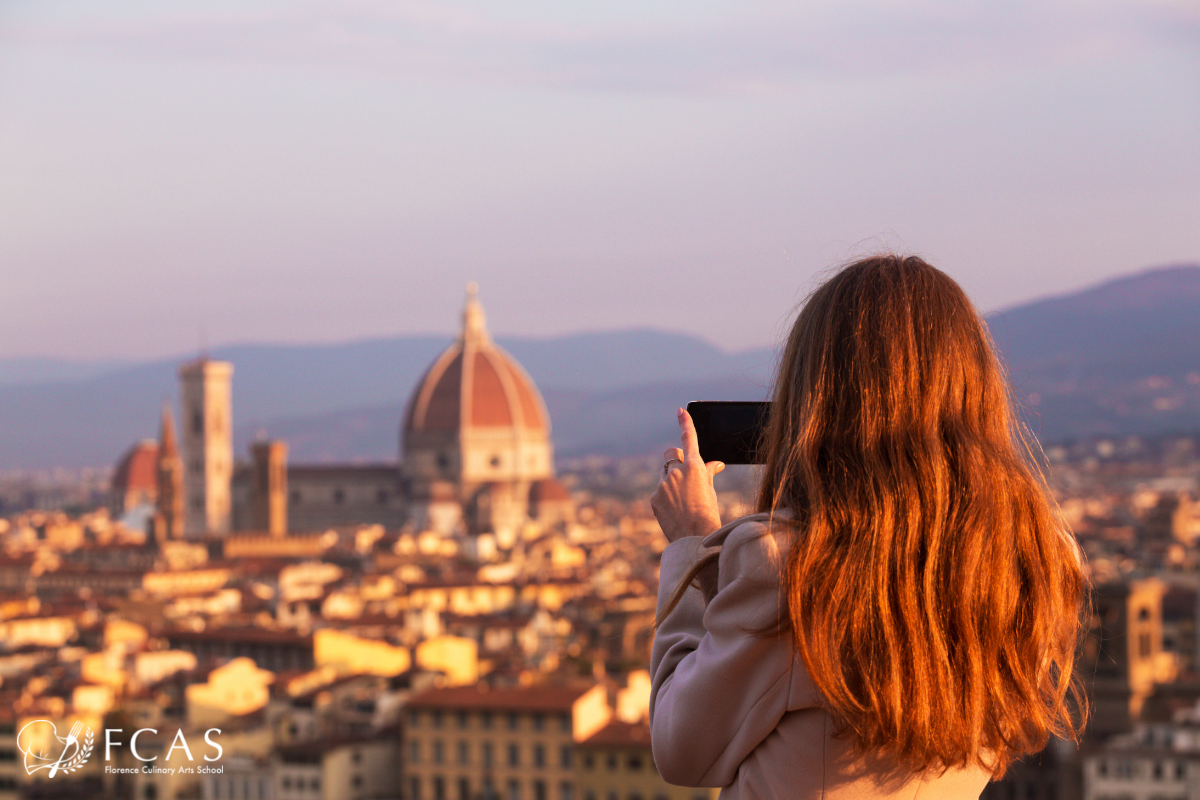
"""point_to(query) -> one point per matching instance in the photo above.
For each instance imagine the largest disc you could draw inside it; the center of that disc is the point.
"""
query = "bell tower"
(207, 427)
(170, 480)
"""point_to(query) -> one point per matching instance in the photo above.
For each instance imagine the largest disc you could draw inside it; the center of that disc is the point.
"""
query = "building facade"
(515, 743)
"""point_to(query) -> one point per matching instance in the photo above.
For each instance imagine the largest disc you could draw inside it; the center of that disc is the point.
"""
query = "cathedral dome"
(135, 480)
(476, 417)
(475, 384)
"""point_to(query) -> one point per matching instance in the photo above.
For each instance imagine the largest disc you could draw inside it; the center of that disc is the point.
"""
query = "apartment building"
(515, 743)
(1154, 762)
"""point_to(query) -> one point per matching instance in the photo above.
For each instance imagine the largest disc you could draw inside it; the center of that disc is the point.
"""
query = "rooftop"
(541, 697)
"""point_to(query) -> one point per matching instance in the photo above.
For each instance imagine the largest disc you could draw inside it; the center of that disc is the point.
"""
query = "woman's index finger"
(687, 435)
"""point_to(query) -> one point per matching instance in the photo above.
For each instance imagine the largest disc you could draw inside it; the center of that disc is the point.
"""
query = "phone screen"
(729, 431)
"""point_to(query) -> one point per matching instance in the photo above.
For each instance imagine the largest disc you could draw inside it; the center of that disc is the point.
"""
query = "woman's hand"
(685, 502)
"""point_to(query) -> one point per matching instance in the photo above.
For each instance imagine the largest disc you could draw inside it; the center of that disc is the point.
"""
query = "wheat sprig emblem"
(82, 753)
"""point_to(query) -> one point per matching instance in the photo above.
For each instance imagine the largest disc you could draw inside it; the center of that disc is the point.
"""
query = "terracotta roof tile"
(542, 697)
(138, 468)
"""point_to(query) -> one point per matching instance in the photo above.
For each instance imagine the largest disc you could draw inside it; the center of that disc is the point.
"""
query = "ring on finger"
(667, 464)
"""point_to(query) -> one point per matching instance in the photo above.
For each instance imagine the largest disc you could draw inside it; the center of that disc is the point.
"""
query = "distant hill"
(340, 401)
(1119, 358)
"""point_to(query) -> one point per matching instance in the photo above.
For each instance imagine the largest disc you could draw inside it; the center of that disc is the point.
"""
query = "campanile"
(207, 428)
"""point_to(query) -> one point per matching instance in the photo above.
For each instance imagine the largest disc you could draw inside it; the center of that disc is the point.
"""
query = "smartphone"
(729, 431)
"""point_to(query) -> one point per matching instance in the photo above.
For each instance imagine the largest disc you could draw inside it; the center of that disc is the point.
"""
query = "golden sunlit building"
(233, 690)
(515, 743)
(349, 654)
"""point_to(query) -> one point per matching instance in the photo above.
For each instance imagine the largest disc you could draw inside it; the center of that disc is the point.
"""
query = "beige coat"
(731, 709)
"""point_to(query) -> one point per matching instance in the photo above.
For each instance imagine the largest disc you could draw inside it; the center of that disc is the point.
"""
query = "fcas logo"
(44, 749)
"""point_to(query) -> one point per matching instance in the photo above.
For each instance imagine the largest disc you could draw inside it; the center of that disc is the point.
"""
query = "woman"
(901, 615)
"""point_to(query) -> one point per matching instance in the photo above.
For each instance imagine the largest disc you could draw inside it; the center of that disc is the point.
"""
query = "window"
(1158, 770)
(565, 791)
(438, 754)
(485, 720)
(612, 762)
(295, 497)
(414, 719)
(539, 790)
(634, 762)
(462, 720)
(487, 755)
(539, 755)
(414, 788)
(514, 754)
(1102, 768)
(589, 761)
(514, 789)
(564, 723)
(539, 721)
(512, 721)
(437, 719)
(439, 787)
(464, 753)
(356, 781)
(1179, 771)
(464, 789)
(339, 496)
(564, 756)
(414, 751)
(356, 756)
(287, 782)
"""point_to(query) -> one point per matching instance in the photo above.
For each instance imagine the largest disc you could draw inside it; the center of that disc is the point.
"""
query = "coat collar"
(717, 537)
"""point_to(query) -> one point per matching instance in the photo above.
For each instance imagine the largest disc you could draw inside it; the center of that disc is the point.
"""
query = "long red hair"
(933, 592)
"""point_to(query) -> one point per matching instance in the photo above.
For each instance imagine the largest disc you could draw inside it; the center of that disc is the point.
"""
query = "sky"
(176, 173)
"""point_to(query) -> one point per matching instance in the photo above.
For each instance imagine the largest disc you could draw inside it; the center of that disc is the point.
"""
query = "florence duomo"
(476, 462)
